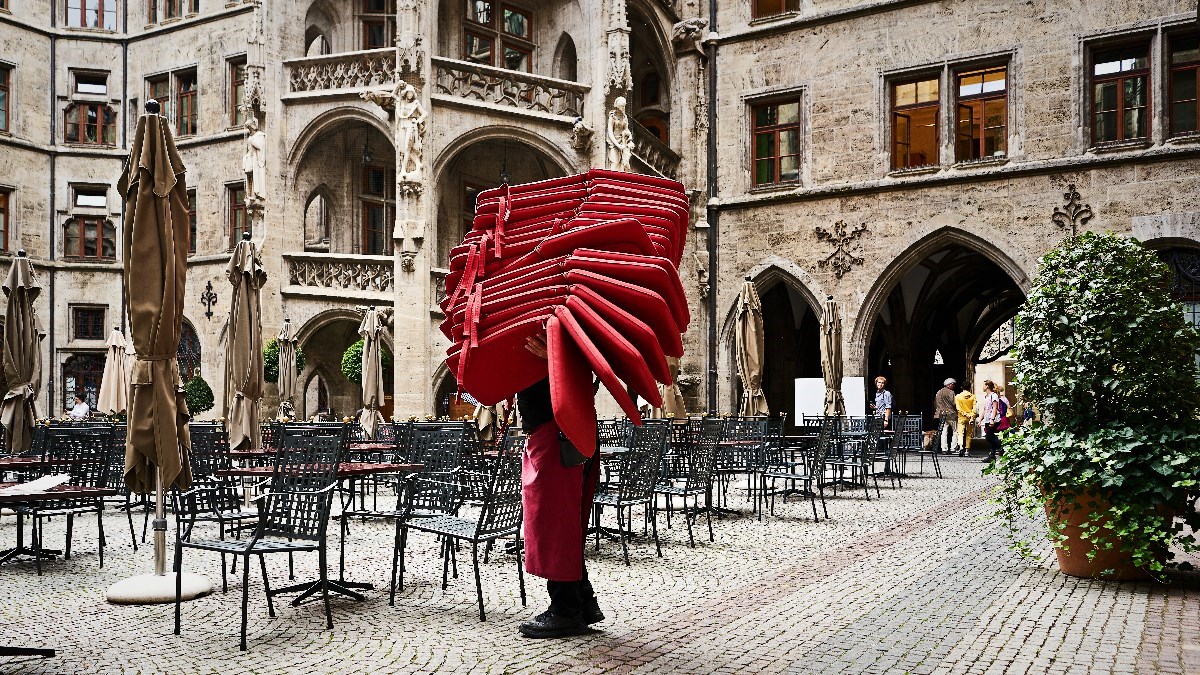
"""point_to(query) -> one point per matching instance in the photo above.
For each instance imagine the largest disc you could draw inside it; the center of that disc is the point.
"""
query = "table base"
(309, 589)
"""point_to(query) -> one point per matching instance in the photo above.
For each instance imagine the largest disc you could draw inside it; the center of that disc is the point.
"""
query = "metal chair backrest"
(437, 446)
(703, 453)
(640, 464)
(210, 448)
(501, 512)
(776, 424)
(743, 438)
(300, 496)
(288, 435)
(82, 453)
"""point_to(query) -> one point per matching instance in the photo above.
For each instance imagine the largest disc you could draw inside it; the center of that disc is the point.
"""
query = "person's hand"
(536, 344)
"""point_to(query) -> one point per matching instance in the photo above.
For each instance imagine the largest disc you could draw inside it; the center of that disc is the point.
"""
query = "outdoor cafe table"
(346, 471)
(52, 494)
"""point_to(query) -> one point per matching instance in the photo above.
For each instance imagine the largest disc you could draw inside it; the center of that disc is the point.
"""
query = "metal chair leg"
(245, 601)
(262, 563)
(478, 582)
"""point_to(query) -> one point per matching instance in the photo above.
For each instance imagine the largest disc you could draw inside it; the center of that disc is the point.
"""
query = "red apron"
(557, 507)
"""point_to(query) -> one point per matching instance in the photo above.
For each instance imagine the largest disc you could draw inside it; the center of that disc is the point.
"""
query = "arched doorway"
(936, 321)
(479, 166)
(324, 340)
(791, 331)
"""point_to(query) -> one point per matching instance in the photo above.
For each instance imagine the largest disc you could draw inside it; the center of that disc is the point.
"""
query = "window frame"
(6, 95)
(96, 322)
(775, 129)
(237, 209)
(756, 14)
(895, 111)
(5, 208)
(91, 366)
(106, 122)
(982, 98)
(80, 223)
(193, 232)
(500, 38)
(187, 103)
(87, 74)
(1173, 68)
(1146, 45)
(89, 190)
(368, 17)
(106, 11)
(385, 201)
(237, 91)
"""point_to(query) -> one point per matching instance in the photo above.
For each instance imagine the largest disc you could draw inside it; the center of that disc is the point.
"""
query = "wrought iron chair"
(738, 453)
(846, 453)
(213, 498)
(698, 457)
(83, 454)
(911, 439)
(639, 475)
(499, 516)
(800, 469)
(294, 515)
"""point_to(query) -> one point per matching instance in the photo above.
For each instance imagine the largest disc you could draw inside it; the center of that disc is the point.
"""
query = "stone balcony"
(344, 75)
(340, 276)
(653, 154)
(496, 89)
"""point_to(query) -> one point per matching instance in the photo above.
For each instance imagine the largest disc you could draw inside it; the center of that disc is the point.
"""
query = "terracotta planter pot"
(1074, 559)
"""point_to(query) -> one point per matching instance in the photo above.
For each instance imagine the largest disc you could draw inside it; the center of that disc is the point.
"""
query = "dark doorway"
(792, 336)
(935, 321)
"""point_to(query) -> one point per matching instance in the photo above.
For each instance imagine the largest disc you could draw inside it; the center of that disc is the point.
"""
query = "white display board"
(810, 396)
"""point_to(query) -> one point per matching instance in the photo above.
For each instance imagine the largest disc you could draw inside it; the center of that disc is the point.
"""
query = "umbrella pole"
(160, 526)
(158, 588)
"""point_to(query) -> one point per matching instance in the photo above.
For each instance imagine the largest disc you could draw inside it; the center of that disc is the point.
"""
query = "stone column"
(411, 327)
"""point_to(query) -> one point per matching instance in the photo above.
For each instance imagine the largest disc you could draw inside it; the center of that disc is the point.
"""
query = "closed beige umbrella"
(751, 351)
(287, 369)
(154, 249)
(489, 419)
(22, 355)
(672, 398)
(244, 379)
(372, 372)
(831, 357)
(114, 384)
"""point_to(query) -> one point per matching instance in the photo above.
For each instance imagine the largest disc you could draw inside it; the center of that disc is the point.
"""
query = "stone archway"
(929, 316)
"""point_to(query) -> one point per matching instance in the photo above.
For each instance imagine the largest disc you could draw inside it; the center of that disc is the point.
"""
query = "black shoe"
(962, 453)
(551, 625)
(988, 460)
(591, 612)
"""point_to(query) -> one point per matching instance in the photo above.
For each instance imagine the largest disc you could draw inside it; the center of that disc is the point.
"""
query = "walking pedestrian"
(947, 414)
(995, 417)
(964, 404)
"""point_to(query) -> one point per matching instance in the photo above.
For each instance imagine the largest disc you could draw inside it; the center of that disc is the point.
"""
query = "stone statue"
(620, 137)
(410, 116)
(687, 33)
(254, 162)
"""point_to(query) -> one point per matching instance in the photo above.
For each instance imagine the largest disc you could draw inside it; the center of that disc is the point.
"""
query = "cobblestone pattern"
(917, 581)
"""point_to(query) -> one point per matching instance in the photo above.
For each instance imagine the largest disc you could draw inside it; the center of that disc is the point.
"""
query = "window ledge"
(87, 29)
(774, 187)
(774, 17)
(1120, 146)
(1185, 139)
(982, 162)
(90, 146)
(915, 171)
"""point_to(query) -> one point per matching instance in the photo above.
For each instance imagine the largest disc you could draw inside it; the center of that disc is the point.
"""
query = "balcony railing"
(653, 153)
(341, 272)
(348, 70)
(508, 88)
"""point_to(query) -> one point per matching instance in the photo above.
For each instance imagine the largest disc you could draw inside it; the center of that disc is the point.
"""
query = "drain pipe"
(713, 214)
(53, 361)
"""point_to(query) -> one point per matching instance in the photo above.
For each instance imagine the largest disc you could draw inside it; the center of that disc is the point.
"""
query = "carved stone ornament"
(581, 136)
(620, 138)
(686, 34)
(842, 238)
(408, 261)
(408, 37)
(383, 99)
(687, 381)
(1073, 214)
(700, 261)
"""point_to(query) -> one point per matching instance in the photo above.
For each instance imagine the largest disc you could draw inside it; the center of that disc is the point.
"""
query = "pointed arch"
(566, 59)
(931, 243)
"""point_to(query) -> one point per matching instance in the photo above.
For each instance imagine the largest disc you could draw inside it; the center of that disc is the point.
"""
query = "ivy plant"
(1109, 359)
(352, 362)
(271, 360)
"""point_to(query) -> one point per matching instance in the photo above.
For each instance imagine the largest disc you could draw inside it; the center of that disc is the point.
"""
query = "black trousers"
(993, 441)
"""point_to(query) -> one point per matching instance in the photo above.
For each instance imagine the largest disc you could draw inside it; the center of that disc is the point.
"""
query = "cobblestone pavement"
(917, 581)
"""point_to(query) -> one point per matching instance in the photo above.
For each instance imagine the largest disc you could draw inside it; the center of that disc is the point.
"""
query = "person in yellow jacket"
(964, 403)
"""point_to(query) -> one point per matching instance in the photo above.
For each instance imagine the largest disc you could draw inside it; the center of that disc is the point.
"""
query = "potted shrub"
(271, 360)
(1109, 360)
(199, 396)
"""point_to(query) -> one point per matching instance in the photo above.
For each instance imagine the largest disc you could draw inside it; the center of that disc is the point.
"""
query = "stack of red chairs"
(592, 260)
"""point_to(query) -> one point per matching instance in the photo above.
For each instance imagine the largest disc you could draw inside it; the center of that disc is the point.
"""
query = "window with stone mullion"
(1183, 85)
(4, 79)
(237, 214)
(89, 124)
(499, 35)
(377, 18)
(378, 206)
(186, 104)
(89, 237)
(776, 142)
(1120, 95)
(100, 14)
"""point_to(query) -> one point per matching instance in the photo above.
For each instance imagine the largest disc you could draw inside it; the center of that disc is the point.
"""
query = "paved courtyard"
(918, 581)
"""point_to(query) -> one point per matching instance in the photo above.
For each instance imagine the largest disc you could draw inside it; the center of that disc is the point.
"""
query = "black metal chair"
(738, 453)
(213, 498)
(499, 516)
(638, 470)
(83, 454)
(911, 439)
(294, 517)
(846, 453)
(800, 469)
(695, 480)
